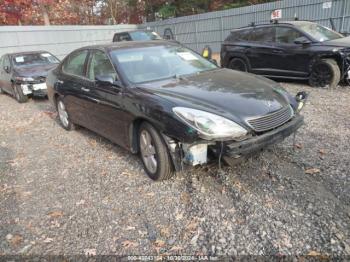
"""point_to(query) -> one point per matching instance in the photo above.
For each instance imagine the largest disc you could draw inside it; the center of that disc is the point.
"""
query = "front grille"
(271, 121)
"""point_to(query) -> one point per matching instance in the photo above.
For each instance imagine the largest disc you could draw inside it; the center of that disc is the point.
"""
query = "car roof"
(129, 44)
(27, 52)
(292, 22)
(136, 30)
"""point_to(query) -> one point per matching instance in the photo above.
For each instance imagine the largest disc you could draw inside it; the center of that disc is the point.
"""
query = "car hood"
(340, 42)
(35, 70)
(225, 92)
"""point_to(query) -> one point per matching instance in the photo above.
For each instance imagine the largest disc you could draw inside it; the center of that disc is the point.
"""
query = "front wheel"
(154, 153)
(20, 97)
(238, 64)
(325, 73)
(63, 115)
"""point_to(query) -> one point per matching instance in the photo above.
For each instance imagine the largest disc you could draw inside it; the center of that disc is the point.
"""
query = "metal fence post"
(196, 36)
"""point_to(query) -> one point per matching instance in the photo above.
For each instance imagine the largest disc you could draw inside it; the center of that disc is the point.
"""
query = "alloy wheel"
(62, 113)
(148, 151)
(238, 64)
(322, 75)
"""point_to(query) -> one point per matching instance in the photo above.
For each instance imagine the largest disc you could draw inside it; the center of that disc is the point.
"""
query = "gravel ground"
(76, 193)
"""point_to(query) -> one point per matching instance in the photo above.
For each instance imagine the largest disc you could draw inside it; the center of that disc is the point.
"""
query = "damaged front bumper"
(37, 89)
(203, 151)
(254, 144)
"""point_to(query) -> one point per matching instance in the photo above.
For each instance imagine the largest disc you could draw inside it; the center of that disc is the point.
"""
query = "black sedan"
(170, 105)
(24, 74)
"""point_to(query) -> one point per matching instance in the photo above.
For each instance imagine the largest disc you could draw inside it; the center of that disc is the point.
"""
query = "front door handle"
(85, 89)
(277, 51)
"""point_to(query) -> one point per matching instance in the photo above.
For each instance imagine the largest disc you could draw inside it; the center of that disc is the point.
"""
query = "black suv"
(293, 49)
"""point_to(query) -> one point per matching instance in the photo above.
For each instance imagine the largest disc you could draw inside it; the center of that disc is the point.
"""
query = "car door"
(260, 49)
(106, 104)
(6, 74)
(292, 59)
(72, 85)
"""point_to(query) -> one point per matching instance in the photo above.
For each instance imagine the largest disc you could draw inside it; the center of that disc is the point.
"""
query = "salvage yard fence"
(212, 28)
(59, 40)
(194, 31)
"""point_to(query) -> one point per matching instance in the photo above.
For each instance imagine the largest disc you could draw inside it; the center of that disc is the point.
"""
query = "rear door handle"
(60, 82)
(85, 89)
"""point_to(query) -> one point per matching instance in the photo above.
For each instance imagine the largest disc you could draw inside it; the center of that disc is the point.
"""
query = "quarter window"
(263, 34)
(74, 65)
(101, 65)
(286, 35)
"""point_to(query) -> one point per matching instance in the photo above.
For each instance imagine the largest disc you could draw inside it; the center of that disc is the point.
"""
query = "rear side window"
(286, 35)
(263, 34)
(242, 35)
(75, 63)
(122, 37)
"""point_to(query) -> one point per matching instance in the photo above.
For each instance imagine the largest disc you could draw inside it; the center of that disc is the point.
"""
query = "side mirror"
(302, 41)
(7, 69)
(107, 80)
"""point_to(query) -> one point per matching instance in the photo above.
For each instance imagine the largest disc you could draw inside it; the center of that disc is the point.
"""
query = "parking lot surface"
(76, 193)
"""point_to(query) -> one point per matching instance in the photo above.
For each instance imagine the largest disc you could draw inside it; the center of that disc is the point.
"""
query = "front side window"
(159, 62)
(75, 63)
(45, 58)
(286, 35)
(318, 32)
(263, 34)
(100, 65)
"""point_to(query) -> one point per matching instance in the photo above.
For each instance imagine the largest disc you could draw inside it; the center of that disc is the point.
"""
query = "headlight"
(210, 126)
(24, 79)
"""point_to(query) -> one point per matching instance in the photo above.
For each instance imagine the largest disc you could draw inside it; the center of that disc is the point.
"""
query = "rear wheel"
(325, 73)
(154, 153)
(63, 115)
(238, 64)
(20, 97)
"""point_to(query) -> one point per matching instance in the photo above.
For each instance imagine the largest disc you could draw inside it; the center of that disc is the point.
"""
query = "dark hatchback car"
(295, 50)
(24, 74)
(170, 104)
(136, 35)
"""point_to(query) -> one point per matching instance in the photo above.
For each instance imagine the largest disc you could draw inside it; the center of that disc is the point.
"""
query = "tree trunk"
(45, 15)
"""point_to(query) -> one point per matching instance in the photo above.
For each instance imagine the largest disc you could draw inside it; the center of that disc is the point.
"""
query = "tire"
(63, 115)
(154, 151)
(20, 97)
(238, 64)
(325, 73)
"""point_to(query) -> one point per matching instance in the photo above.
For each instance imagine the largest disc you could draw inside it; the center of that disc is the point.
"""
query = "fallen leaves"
(185, 197)
(165, 232)
(129, 244)
(48, 240)
(299, 146)
(14, 240)
(312, 171)
(55, 214)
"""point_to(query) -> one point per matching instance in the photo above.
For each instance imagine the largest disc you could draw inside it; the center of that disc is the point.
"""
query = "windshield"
(144, 36)
(320, 33)
(34, 59)
(159, 62)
